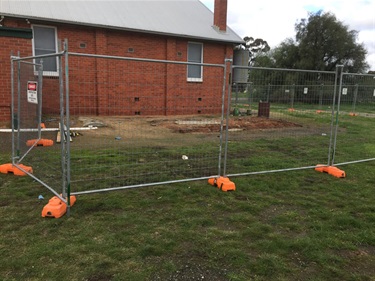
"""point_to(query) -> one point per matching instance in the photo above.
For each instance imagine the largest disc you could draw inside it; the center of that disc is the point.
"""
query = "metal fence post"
(12, 106)
(340, 70)
(66, 56)
(230, 61)
(222, 117)
(321, 89)
(18, 107)
(355, 98)
(40, 98)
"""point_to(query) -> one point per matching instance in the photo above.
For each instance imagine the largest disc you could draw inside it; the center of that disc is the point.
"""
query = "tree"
(286, 55)
(256, 47)
(321, 43)
(324, 42)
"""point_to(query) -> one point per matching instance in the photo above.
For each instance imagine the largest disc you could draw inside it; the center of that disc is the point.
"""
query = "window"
(44, 42)
(195, 54)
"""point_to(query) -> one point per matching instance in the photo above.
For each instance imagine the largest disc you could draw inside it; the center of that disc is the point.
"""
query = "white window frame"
(194, 79)
(47, 73)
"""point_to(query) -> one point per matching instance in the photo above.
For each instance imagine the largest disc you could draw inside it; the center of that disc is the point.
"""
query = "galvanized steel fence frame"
(289, 102)
(337, 93)
(58, 184)
(68, 187)
(223, 68)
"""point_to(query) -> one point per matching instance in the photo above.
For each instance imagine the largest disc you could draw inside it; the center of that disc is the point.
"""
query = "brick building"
(182, 31)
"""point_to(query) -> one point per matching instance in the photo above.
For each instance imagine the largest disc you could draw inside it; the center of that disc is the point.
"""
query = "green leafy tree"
(324, 42)
(286, 55)
(256, 48)
(321, 43)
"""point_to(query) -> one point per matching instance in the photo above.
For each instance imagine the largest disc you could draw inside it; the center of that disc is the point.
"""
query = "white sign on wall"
(32, 92)
(305, 90)
(344, 91)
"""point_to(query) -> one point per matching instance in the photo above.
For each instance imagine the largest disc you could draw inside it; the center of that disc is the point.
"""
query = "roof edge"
(124, 29)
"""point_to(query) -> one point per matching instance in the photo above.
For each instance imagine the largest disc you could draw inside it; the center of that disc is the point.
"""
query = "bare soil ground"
(176, 128)
(180, 130)
(181, 124)
(235, 124)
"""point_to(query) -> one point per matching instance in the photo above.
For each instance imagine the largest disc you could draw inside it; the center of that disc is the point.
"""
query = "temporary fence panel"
(121, 122)
(34, 148)
(280, 119)
(153, 124)
(356, 109)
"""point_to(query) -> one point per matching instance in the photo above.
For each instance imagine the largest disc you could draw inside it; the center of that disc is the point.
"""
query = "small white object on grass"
(184, 157)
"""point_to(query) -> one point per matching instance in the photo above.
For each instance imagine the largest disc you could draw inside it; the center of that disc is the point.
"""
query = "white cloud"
(274, 20)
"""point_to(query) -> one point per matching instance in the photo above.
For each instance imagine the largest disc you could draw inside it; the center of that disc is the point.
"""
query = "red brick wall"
(114, 87)
(7, 45)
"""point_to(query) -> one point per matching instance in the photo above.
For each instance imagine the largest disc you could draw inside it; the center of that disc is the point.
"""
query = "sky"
(274, 20)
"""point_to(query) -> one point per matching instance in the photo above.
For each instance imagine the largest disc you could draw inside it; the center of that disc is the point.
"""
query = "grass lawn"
(300, 225)
(292, 226)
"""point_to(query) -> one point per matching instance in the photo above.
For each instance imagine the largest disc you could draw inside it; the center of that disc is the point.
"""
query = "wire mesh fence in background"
(280, 114)
(356, 110)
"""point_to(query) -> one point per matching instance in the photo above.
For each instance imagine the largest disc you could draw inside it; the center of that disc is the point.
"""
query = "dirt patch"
(235, 124)
(160, 130)
(361, 261)
(169, 126)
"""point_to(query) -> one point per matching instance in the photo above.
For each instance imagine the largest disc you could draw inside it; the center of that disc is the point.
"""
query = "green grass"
(345, 107)
(291, 226)
(300, 225)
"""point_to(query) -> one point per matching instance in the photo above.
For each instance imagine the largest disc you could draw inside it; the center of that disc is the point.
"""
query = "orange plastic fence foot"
(73, 200)
(331, 170)
(212, 181)
(291, 109)
(10, 169)
(352, 114)
(320, 168)
(56, 208)
(336, 172)
(319, 111)
(222, 183)
(41, 142)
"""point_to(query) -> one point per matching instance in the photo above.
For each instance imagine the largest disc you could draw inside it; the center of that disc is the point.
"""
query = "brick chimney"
(220, 14)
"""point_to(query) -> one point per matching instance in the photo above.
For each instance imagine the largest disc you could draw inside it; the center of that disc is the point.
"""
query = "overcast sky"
(273, 20)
